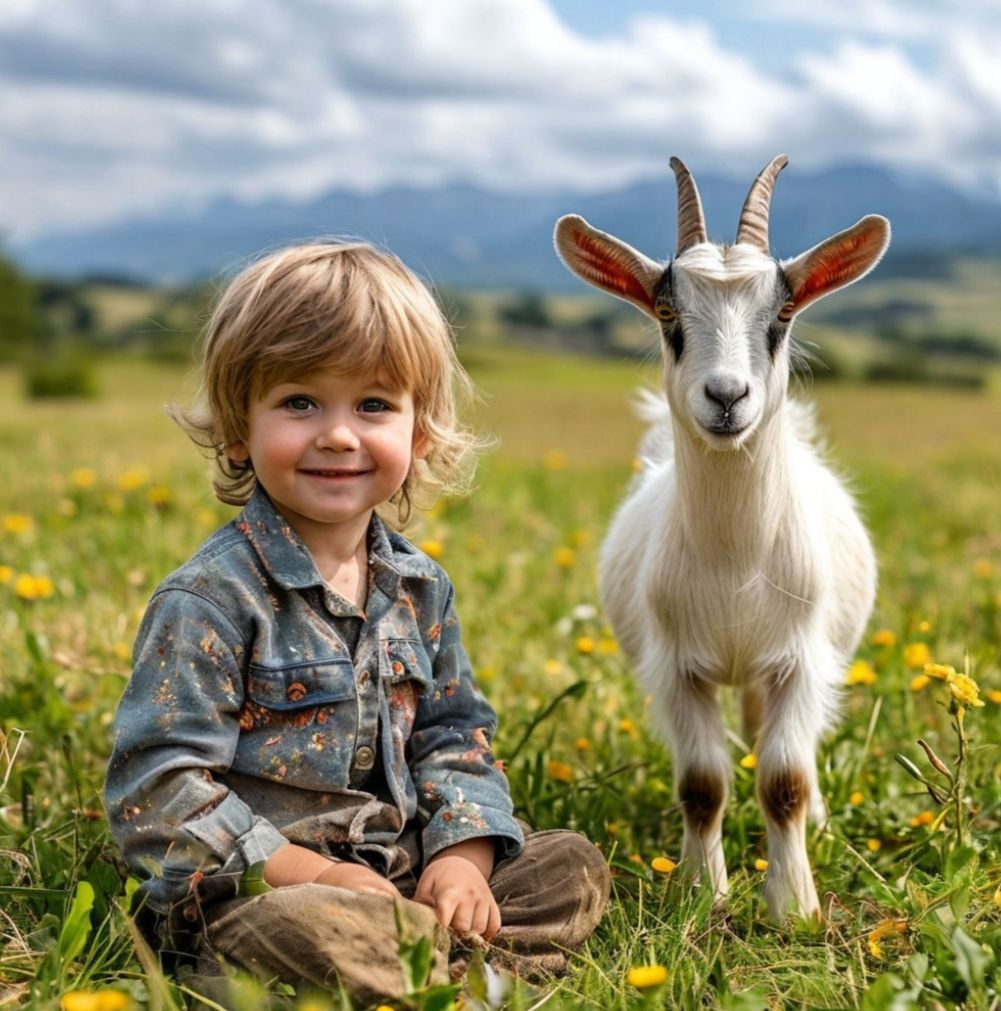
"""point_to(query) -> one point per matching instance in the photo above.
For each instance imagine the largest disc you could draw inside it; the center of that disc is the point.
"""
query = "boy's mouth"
(332, 472)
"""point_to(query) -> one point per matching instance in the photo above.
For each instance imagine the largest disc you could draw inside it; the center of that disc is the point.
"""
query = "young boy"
(301, 699)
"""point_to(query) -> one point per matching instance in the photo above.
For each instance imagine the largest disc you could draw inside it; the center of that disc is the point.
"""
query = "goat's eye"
(786, 312)
(666, 312)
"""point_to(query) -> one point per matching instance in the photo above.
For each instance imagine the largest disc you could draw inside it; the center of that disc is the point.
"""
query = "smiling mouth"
(336, 473)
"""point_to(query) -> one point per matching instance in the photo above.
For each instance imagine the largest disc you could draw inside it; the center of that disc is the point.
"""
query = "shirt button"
(363, 677)
(365, 757)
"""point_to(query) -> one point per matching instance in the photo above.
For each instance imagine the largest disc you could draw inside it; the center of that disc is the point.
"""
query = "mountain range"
(461, 236)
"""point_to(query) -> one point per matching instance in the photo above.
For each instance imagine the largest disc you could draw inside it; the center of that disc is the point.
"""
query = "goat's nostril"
(726, 392)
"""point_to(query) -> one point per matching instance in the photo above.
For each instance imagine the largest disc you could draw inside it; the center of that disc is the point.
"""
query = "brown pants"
(551, 897)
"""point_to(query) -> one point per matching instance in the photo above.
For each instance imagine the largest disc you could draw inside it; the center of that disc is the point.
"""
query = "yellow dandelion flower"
(761, 865)
(433, 549)
(916, 655)
(994, 695)
(635, 858)
(80, 1000)
(856, 798)
(749, 761)
(552, 667)
(884, 637)
(83, 477)
(564, 557)
(121, 650)
(663, 865)
(582, 744)
(383, 1007)
(883, 929)
(636, 465)
(554, 459)
(29, 587)
(924, 818)
(608, 646)
(612, 827)
(585, 644)
(644, 977)
(924, 626)
(627, 726)
(17, 523)
(158, 496)
(559, 771)
(873, 845)
(965, 691)
(997, 896)
(918, 682)
(983, 568)
(942, 671)
(860, 673)
(132, 479)
(113, 1000)
(6, 574)
(581, 538)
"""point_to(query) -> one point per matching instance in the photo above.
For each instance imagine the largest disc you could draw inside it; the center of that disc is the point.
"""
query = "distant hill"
(462, 236)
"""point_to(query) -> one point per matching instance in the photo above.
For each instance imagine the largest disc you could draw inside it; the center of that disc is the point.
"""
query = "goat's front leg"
(795, 706)
(701, 774)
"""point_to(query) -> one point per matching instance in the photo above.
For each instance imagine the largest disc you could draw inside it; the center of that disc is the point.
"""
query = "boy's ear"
(238, 452)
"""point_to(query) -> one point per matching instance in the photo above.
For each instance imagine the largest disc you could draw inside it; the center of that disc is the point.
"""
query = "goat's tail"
(657, 444)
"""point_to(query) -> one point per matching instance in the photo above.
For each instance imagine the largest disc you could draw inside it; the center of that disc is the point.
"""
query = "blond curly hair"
(345, 304)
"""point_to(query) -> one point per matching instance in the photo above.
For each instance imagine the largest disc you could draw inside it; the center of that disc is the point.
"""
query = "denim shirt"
(264, 708)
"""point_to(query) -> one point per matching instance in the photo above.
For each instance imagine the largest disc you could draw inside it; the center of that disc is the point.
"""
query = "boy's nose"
(339, 436)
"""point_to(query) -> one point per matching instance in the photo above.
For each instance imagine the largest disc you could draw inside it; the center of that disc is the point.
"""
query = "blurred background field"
(101, 496)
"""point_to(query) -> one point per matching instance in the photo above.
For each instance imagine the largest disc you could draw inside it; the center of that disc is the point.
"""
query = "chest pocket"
(406, 660)
(302, 685)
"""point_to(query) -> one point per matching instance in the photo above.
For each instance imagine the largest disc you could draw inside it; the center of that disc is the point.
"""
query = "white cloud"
(120, 107)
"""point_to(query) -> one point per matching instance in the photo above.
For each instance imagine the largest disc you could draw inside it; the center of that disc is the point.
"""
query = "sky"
(116, 108)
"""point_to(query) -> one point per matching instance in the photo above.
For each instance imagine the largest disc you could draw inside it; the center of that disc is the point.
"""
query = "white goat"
(738, 557)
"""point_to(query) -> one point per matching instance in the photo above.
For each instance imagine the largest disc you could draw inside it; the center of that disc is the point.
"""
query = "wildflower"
(585, 644)
(17, 523)
(627, 727)
(924, 818)
(95, 1000)
(643, 977)
(83, 477)
(433, 549)
(612, 827)
(635, 858)
(994, 696)
(552, 667)
(881, 930)
(860, 673)
(581, 538)
(29, 587)
(564, 557)
(560, 771)
(636, 465)
(554, 459)
(749, 761)
(582, 744)
(608, 646)
(962, 687)
(662, 865)
(158, 496)
(916, 655)
(918, 682)
(924, 626)
(856, 798)
(997, 896)
(121, 650)
(761, 865)
(132, 479)
(6, 574)
(884, 637)
(983, 568)
(873, 845)
(584, 612)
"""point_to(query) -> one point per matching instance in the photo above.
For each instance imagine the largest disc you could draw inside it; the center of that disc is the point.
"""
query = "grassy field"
(100, 499)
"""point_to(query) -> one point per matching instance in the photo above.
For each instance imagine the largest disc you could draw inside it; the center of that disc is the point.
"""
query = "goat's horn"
(753, 227)
(691, 221)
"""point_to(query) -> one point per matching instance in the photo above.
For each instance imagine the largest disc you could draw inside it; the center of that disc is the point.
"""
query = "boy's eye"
(297, 403)
(373, 405)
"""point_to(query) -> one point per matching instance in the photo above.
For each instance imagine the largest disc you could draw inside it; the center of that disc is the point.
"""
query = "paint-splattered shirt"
(264, 708)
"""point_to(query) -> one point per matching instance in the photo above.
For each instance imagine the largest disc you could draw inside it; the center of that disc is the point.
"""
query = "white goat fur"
(738, 557)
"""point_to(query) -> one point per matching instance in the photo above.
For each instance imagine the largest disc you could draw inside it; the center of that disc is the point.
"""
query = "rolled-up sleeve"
(176, 728)
(462, 793)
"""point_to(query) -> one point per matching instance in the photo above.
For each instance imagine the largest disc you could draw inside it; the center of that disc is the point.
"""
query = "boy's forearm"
(480, 852)
(294, 865)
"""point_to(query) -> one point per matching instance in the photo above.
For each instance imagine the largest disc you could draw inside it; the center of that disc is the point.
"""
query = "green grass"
(926, 468)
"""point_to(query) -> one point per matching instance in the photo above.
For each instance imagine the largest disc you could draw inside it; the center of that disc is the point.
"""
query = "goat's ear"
(607, 262)
(837, 261)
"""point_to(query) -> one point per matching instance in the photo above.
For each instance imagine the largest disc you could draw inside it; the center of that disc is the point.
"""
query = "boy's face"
(329, 448)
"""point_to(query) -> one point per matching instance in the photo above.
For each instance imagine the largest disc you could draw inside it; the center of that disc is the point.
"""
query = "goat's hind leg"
(701, 774)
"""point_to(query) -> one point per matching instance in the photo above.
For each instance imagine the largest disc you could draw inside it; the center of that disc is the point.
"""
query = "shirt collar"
(287, 559)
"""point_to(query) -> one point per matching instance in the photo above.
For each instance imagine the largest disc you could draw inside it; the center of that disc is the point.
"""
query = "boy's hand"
(297, 865)
(357, 878)
(454, 884)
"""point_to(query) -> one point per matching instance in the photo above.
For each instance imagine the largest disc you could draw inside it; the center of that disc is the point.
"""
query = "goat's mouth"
(727, 431)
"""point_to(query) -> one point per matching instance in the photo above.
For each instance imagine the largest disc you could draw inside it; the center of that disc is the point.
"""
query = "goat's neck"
(735, 501)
